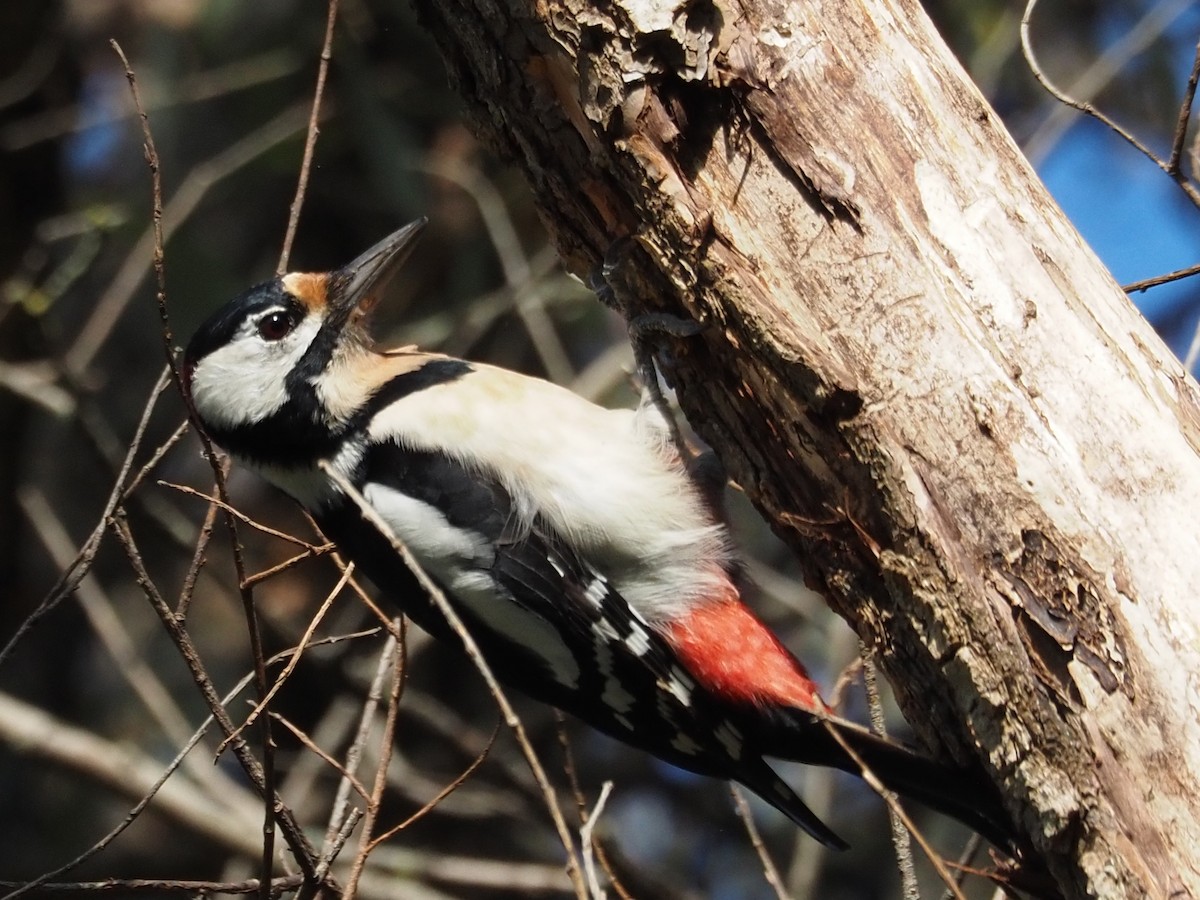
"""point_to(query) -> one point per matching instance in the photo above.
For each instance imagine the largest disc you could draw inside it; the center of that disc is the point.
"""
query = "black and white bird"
(587, 562)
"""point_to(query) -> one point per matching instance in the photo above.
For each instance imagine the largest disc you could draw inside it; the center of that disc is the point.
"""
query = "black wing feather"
(630, 684)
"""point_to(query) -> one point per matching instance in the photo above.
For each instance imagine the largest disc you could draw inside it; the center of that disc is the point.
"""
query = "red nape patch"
(732, 653)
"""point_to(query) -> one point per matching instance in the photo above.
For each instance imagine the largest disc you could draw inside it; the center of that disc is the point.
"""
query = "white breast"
(604, 479)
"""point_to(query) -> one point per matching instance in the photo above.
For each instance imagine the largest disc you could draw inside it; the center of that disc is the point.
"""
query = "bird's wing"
(548, 622)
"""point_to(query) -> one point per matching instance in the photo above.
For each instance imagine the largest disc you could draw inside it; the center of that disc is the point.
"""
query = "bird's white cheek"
(231, 387)
(245, 381)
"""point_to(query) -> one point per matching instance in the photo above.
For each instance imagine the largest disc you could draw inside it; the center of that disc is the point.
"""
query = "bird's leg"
(646, 331)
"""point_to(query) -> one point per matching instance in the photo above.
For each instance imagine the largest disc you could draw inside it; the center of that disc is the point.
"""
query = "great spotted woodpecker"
(571, 539)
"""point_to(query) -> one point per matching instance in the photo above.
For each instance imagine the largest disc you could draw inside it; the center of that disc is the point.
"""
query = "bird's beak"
(356, 286)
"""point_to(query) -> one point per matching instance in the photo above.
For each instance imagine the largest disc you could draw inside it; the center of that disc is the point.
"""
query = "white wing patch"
(595, 592)
(454, 556)
(680, 686)
(685, 744)
(614, 695)
(638, 640)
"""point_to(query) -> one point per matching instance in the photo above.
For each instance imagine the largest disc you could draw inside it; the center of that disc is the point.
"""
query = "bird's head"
(261, 367)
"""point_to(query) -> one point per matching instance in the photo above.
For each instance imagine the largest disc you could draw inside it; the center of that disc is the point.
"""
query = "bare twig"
(1145, 283)
(310, 142)
(229, 508)
(359, 787)
(289, 563)
(341, 809)
(151, 151)
(199, 556)
(939, 865)
(770, 870)
(303, 850)
(374, 804)
(900, 839)
(588, 841)
(592, 843)
(334, 847)
(1162, 15)
(155, 886)
(472, 649)
(1185, 116)
(442, 794)
(155, 458)
(291, 663)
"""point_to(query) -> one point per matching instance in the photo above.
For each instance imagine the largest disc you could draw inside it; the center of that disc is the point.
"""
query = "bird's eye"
(274, 326)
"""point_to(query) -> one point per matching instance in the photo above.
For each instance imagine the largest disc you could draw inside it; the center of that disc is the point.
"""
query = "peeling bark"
(914, 366)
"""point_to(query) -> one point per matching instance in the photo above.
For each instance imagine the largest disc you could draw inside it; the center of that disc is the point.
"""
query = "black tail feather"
(767, 784)
(959, 793)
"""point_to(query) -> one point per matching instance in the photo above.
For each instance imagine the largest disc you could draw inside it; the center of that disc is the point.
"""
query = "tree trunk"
(911, 362)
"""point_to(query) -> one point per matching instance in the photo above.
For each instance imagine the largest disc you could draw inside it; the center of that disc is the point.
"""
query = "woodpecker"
(587, 561)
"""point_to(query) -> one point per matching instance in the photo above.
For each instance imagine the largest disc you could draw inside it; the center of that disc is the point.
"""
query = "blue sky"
(1133, 215)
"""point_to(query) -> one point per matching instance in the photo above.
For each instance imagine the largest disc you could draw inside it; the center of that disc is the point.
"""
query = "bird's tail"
(959, 793)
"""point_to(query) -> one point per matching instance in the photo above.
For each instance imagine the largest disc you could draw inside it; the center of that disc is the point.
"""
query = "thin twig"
(109, 886)
(301, 848)
(341, 808)
(472, 649)
(1145, 283)
(289, 563)
(334, 846)
(310, 142)
(595, 844)
(241, 516)
(308, 742)
(939, 865)
(375, 802)
(160, 276)
(900, 838)
(155, 458)
(1185, 115)
(442, 794)
(1087, 108)
(770, 870)
(588, 841)
(199, 557)
(291, 663)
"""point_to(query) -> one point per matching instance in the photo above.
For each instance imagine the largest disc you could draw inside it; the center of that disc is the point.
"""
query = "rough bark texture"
(911, 362)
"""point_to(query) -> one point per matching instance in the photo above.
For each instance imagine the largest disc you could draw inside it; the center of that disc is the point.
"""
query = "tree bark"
(983, 455)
